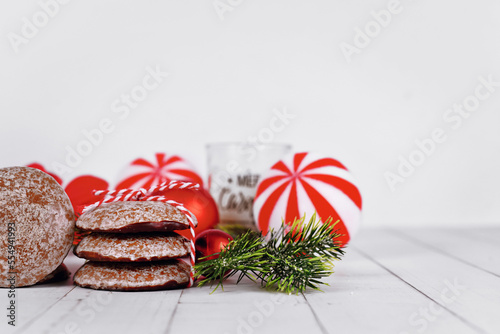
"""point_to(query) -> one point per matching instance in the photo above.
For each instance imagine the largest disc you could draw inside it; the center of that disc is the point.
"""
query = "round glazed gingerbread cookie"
(36, 226)
(133, 276)
(132, 247)
(134, 216)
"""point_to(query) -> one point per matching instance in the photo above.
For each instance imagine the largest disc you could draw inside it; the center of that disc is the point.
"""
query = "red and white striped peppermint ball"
(142, 173)
(305, 183)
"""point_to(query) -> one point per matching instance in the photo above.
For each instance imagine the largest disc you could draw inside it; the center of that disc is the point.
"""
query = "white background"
(226, 76)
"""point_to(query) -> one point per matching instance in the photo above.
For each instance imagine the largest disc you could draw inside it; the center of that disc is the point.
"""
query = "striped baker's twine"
(190, 219)
(144, 195)
(115, 196)
(174, 185)
(136, 195)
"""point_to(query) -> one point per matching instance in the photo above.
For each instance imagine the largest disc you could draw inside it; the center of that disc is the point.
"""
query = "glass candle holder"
(234, 170)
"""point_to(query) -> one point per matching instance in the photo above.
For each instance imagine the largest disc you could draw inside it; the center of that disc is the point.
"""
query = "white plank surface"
(491, 235)
(475, 298)
(366, 298)
(256, 311)
(480, 251)
(390, 281)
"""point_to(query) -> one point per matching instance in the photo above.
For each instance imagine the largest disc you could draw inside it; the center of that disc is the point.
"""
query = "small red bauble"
(211, 242)
(80, 191)
(199, 202)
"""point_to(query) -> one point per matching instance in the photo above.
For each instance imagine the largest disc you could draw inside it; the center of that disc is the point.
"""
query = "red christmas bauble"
(199, 202)
(80, 191)
(210, 242)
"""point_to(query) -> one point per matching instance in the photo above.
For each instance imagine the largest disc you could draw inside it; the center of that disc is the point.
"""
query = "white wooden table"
(390, 281)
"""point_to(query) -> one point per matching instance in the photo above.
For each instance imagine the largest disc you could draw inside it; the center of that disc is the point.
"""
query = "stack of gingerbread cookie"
(132, 247)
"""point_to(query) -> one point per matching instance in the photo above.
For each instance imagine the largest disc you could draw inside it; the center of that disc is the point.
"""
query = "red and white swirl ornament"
(145, 195)
(305, 183)
(142, 173)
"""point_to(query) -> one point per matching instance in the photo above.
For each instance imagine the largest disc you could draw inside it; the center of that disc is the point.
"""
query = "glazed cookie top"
(134, 216)
(36, 225)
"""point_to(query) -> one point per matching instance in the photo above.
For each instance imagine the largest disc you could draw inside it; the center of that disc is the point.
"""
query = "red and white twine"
(145, 195)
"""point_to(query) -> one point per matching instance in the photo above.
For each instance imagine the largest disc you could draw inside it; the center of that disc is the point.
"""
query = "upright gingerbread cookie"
(36, 226)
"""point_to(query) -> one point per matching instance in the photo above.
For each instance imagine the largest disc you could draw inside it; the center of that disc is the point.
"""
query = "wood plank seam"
(320, 323)
(27, 324)
(420, 242)
(463, 320)
(170, 320)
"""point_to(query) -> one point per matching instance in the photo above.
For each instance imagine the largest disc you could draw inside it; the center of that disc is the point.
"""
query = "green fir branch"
(290, 259)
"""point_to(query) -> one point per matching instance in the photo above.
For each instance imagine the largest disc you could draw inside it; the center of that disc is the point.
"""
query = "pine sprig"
(291, 259)
(244, 254)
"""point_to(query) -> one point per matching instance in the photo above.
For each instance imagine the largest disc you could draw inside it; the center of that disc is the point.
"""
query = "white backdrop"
(367, 82)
